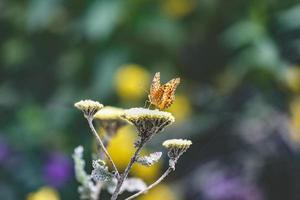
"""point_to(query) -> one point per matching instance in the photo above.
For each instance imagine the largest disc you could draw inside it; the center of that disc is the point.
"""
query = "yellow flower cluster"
(88, 107)
(109, 113)
(131, 81)
(138, 114)
(44, 193)
(110, 119)
(177, 144)
(148, 122)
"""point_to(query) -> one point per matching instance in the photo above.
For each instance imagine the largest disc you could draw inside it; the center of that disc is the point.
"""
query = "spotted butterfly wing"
(155, 82)
(168, 97)
(156, 91)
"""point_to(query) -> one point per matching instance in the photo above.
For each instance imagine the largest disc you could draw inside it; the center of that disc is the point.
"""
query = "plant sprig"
(148, 124)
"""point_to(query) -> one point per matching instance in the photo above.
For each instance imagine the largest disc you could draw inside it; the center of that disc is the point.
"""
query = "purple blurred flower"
(58, 169)
(218, 186)
(4, 151)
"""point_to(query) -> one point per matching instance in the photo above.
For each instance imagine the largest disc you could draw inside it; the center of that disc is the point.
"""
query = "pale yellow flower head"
(44, 193)
(110, 119)
(148, 122)
(176, 148)
(177, 144)
(88, 107)
(109, 113)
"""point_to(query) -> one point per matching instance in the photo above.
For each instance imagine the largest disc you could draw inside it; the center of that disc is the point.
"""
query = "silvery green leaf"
(100, 171)
(89, 191)
(81, 176)
(111, 185)
(149, 160)
(133, 185)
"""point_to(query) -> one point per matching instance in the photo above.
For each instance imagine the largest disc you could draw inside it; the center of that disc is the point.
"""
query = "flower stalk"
(90, 122)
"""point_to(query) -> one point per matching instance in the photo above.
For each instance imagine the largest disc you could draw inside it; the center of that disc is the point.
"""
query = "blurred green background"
(239, 99)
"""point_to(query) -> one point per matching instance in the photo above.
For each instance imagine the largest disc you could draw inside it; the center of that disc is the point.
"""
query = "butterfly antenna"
(149, 105)
(145, 105)
(144, 89)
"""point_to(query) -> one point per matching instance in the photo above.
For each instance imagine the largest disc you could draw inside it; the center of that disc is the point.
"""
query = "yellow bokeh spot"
(178, 8)
(292, 78)
(181, 108)
(295, 119)
(132, 82)
(160, 192)
(44, 193)
(121, 146)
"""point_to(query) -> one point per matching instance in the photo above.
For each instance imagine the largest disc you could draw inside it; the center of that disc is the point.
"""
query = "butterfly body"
(162, 96)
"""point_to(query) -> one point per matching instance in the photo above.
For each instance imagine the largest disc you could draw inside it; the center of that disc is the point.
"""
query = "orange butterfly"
(162, 96)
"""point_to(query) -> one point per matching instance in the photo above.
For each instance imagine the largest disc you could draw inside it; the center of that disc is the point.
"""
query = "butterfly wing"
(155, 89)
(168, 96)
(155, 82)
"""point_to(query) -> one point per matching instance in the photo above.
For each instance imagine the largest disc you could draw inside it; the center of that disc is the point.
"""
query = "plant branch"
(90, 121)
(127, 170)
(167, 172)
(106, 140)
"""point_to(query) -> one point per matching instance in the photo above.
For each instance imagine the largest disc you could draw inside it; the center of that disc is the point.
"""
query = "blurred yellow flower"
(160, 192)
(295, 119)
(132, 82)
(181, 109)
(121, 146)
(292, 78)
(44, 193)
(178, 8)
(121, 150)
